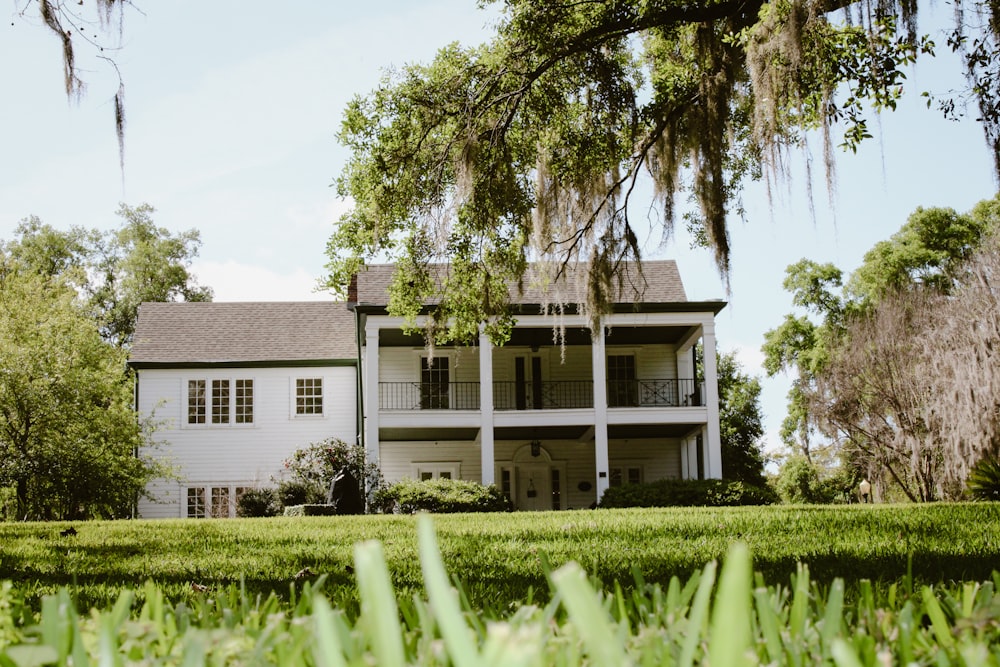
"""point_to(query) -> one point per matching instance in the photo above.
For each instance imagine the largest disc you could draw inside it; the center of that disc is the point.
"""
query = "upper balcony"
(539, 395)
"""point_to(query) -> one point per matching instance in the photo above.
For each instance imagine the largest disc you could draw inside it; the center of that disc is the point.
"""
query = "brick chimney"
(352, 289)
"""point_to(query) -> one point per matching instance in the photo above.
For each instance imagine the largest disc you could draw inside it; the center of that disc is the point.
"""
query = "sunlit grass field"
(502, 559)
(843, 586)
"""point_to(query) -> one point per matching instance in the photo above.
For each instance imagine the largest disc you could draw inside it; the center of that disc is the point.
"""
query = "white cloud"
(750, 357)
(235, 281)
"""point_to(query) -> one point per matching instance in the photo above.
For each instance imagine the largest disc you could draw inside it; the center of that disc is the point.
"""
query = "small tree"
(798, 482)
(318, 465)
(740, 422)
(68, 431)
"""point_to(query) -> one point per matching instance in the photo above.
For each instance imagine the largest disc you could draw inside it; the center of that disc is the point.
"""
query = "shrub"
(257, 503)
(799, 482)
(687, 492)
(312, 509)
(442, 496)
(984, 479)
(318, 464)
(297, 492)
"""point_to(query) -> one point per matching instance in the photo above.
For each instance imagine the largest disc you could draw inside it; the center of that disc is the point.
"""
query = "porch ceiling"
(527, 433)
(542, 336)
(573, 432)
(436, 434)
(639, 431)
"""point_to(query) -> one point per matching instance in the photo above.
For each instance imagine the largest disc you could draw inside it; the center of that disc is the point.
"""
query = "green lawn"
(365, 608)
(503, 558)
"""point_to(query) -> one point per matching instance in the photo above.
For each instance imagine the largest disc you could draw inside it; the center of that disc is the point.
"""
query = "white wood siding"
(659, 459)
(402, 364)
(238, 454)
(398, 458)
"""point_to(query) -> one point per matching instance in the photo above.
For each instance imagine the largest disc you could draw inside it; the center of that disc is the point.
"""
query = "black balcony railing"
(428, 395)
(653, 393)
(535, 395)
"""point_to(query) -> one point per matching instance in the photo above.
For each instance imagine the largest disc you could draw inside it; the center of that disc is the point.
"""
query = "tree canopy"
(531, 147)
(68, 433)
(740, 422)
(113, 271)
(895, 369)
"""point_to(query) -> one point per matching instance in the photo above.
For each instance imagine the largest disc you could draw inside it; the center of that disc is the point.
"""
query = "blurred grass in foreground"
(732, 619)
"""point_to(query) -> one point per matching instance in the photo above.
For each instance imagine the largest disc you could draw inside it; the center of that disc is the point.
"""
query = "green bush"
(258, 503)
(315, 467)
(984, 479)
(687, 492)
(293, 492)
(311, 509)
(442, 496)
(799, 482)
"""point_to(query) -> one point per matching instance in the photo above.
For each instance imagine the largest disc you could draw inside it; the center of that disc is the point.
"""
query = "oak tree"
(533, 146)
(116, 270)
(68, 434)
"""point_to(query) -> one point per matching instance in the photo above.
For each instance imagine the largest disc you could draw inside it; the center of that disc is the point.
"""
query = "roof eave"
(253, 363)
(713, 306)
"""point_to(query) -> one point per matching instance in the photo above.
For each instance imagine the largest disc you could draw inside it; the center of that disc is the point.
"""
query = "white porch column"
(371, 406)
(713, 445)
(486, 409)
(600, 410)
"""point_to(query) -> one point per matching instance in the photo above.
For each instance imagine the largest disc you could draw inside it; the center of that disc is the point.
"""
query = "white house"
(235, 388)
(564, 420)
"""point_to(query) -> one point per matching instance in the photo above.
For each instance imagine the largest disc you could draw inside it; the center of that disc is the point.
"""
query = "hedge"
(442, 496)
(687, 492)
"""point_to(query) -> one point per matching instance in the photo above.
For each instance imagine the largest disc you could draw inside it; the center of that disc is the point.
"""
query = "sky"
(233, 107)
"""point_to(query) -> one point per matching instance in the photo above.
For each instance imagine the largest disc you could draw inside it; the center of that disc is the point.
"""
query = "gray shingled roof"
(660, 282)
(243, 332)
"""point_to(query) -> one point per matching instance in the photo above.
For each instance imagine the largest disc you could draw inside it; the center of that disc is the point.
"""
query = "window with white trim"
(214, 402)
(220, 502)
(244, 402)
(436, 470)
(216, 501)
(434, 383)
(220, 401)
(631, 474)
(309, 396)
(196, 401)
(196, 502)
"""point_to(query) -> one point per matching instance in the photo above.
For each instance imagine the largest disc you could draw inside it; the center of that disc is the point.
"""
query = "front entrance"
(532, 480)
(534, 487)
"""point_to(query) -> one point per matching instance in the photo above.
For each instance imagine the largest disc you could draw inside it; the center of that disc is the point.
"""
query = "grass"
(503, 559)
(723, 616)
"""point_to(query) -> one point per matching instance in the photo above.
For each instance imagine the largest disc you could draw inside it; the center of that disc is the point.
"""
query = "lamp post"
(865, 488)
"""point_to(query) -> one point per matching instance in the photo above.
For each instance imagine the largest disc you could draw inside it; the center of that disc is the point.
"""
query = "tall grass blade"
(843, 654)
(698, 617)
(592, 622)
(834, 614)
(326, 650)
(379, 612)
(731, 633)
(768, 620)
(444, 601)
(939, 624)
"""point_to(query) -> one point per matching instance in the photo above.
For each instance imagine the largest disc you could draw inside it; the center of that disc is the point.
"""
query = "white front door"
(534, 487)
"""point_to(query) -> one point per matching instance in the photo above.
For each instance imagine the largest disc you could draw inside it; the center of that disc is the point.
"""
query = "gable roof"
(243, 333)
(659, 282)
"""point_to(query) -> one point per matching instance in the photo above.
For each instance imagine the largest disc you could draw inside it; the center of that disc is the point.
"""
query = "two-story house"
(563, 418)
(553, 421)
(234, 389)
